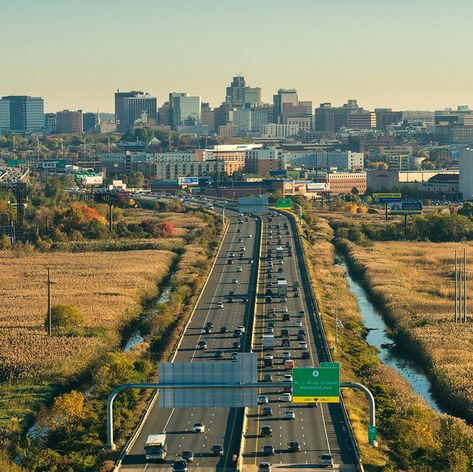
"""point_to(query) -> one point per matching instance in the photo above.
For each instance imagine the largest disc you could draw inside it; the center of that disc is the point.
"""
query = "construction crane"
(16, 180)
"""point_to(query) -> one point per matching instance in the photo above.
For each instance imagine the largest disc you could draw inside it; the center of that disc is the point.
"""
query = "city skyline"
(389, 55)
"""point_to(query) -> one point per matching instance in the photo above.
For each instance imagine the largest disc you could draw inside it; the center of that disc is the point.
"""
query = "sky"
(405, 54)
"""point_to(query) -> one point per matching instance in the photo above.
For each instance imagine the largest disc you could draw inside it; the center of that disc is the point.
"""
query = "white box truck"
(268, 342)
(156, 447)
(282, 288)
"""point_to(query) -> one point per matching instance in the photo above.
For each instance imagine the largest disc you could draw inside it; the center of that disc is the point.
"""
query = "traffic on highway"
(253, 300)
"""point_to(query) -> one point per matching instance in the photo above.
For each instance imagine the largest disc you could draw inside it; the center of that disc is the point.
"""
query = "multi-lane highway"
(317, 430)
(249, 274)
(222, 426)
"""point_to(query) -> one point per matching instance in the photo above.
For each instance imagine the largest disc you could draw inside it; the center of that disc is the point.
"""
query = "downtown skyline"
(381, 55)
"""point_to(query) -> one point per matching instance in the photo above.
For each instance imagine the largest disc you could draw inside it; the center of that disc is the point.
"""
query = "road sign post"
(371, 434)
(316, 384)
(284, 204)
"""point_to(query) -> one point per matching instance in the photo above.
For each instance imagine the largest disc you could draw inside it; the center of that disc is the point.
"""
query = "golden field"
(414, 281)
(103, 285)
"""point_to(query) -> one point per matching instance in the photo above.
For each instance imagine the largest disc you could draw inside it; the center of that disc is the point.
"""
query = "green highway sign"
(371, 433)
(284, 204)
(316, 384)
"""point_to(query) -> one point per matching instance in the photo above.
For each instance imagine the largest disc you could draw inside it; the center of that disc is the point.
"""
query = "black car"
(188, 456)
(294, 446)
(305, 355)
(218, 354)
(216, 450)
(301, 331)
(267, 411)
(223, 329)
(266, 431)
(267, 378)
(179, 465)
(268, 450)
(236, 345)
(229, 262)
(300, 337)
(285, 343)
(209, 324)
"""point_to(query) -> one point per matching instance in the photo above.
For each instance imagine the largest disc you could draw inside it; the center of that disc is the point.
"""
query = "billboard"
(405, 208)
(386, 197)
(188, 181)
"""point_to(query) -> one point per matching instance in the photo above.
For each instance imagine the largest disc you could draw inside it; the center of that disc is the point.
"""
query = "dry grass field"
(103, 285)
(414, 281)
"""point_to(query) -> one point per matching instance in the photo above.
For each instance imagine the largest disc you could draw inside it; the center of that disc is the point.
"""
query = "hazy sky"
(407, 54)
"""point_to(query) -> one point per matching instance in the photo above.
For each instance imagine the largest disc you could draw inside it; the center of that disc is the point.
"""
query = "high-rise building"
(131, 106)
(26, 113)
(252, 95)
(207, 117)
(185, 109)
(260, 116)
(242, 119)
(283, 96)
(386, 117)
(298, 110)
(164, 114)
(4, 116)
(466, 173)
(89, 122)
(69, 122)
(50, 123)
(330, 119)
(361, 120)
(235, 93)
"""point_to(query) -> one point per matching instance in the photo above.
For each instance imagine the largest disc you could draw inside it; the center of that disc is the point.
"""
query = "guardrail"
(315, 313)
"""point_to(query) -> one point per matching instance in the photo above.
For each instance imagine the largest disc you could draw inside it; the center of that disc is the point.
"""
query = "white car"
(326, 460)
(262, 399)
(235, 281)
(198, 428)
(303, 345)
(239, 269)
(298, 324)
(219, 305)
(285, 397)
(287, 378)
(289, 415)
(241, 328)
(249, 235)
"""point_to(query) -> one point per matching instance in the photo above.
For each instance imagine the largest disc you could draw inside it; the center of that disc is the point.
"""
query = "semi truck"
(156, 447)
(268, 342)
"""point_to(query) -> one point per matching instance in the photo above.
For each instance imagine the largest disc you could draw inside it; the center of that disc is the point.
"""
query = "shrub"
(66, 320)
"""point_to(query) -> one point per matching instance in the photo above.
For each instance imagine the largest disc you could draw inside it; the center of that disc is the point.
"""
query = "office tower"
(238, 94)
(235, 93)
(89, 122)
(330, 119)
(50, 123)
(260, 116)
(130, 106)
(185, 109)
(386, 117)
(165, 114)
(207, 117)
(466, 173)
(283, 96)
(361, 120)
(26, 113)
(252, 95)
(223, 115)
(69, 122)
(242, 119)
(4, 116)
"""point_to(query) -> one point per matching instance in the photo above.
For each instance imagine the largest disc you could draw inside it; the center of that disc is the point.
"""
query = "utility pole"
(110, 217)
(49, 306)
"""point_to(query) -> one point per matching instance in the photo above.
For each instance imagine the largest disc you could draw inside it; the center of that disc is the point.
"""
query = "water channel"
(387, 353)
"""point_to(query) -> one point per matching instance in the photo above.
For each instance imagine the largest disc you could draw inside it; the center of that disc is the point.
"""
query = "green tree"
(66, 320)
(136, 179)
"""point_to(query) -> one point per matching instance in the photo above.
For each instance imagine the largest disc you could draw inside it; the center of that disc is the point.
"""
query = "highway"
(222, 426)
(318, 429)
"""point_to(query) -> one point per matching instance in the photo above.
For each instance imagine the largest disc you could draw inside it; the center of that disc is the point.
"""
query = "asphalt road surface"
(318, 429)
(222, 426)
